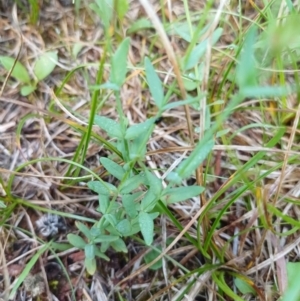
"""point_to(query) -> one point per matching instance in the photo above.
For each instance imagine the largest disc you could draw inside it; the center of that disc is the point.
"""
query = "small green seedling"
(44, 65)
(132, 206)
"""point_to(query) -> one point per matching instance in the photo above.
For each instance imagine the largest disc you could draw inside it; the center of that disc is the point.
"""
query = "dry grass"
(37, 131)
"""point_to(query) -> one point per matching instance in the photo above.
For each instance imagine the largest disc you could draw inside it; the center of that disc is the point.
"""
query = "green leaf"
(135, 227)
(150, 256)
(111, 219)
(154, 182)
(89, 251)
(149, 201)
(293, 272)
(104, 247)
(34, 11)
(105, 86)
(207, 119)
(268, 91)
(124, 227)
(119, 245)
(45, 64)
(140, 24)
(194, 57)
(293, 290)
(76, 241)
(132, 183)
(189, 165)
(183, 30)
(198, 155)
(243, 286)
(84, 229)
(102, 188)
(175, 104)
(106, 238)
(128, 201)
(90, 264)
(104, 203)
(19, 72)
(26, 90)
(137, 147)
(154, 84)
(94, 231)
(193, 79)
(283, 35)
(139, 129)
(147, 227)
(154, 215)
(100, 254)
(122, 8)
(119, 63)
(190, 84)
(58, 246)
(112, 231)
(104, 9)
(178, 194)
(222, 132)
(174, 177)
(113, 168)
(246, 73)
(111, 127)
(76, 49)
(113, 207)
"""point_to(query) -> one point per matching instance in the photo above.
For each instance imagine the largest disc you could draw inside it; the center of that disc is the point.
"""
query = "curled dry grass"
(48, 127)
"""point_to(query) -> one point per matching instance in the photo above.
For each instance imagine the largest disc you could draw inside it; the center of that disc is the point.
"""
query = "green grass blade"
(28, 268)
(234, 180)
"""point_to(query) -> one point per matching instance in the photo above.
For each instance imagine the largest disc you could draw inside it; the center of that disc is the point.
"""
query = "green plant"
(43, 67)
(131, 206)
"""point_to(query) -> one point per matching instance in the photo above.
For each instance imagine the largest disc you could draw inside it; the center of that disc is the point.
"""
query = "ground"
(235, 135)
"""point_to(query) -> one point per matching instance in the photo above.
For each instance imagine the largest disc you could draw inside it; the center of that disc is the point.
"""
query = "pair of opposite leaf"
(43, 67)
